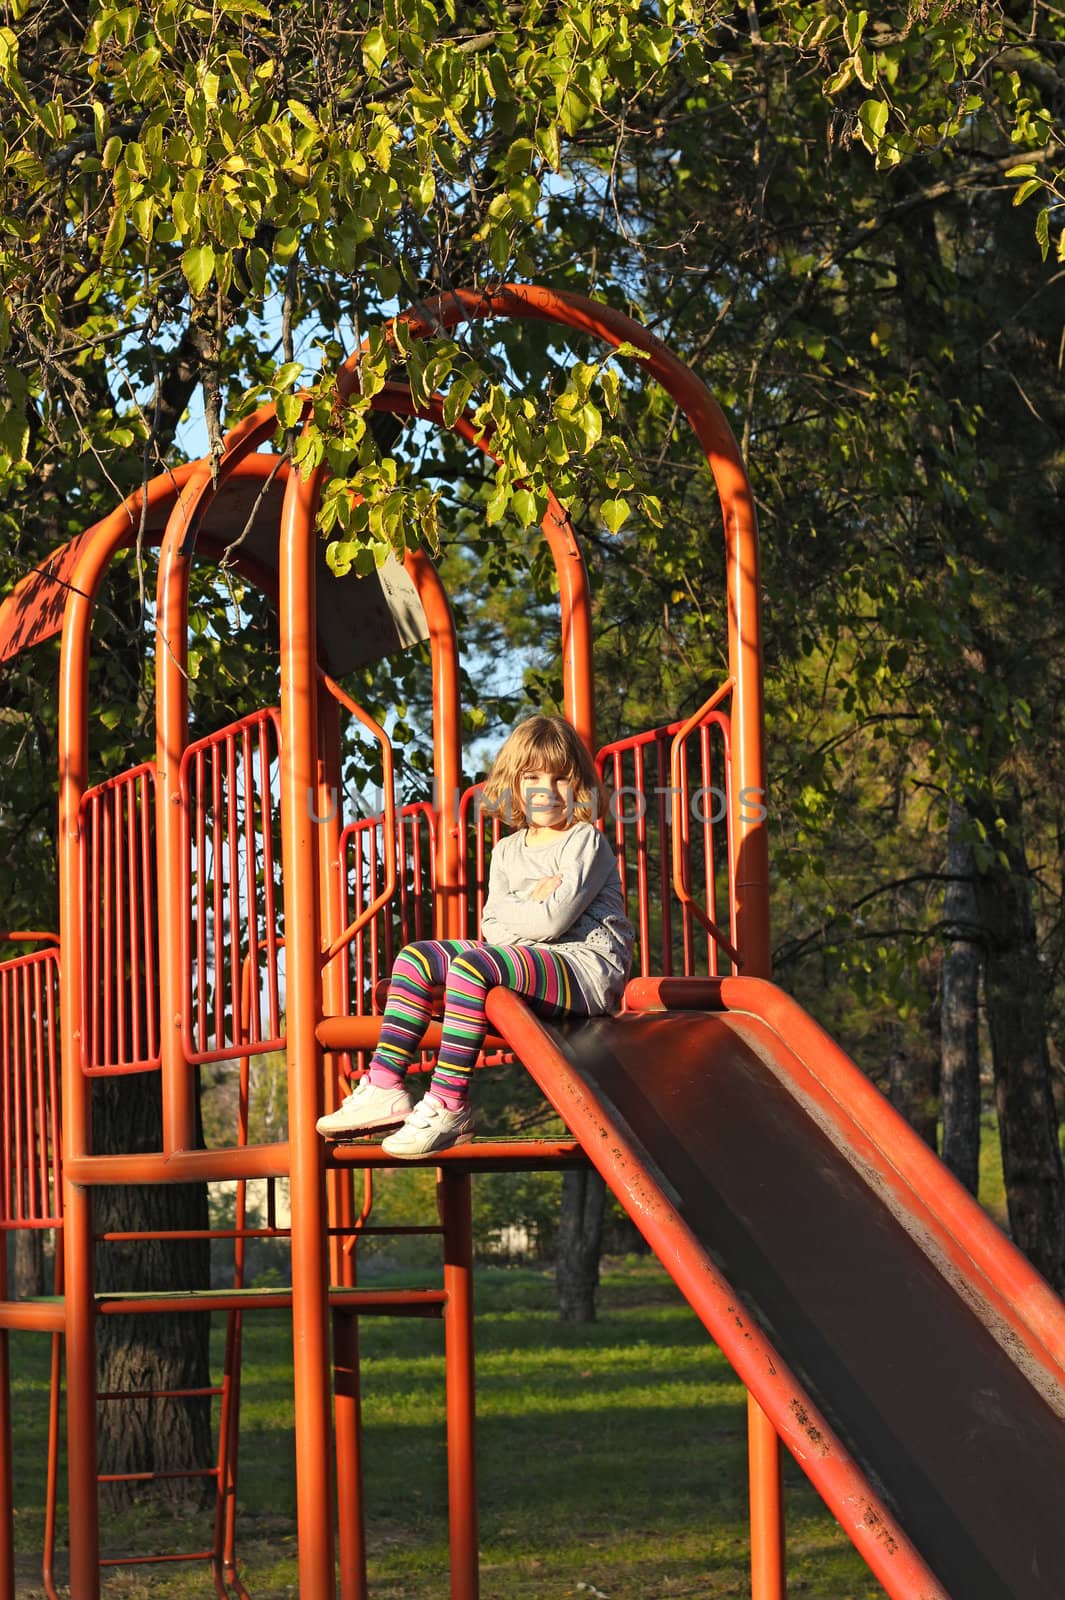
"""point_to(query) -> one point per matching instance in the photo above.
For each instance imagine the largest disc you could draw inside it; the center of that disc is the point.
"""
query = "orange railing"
(669, 817)
(232, 890)
(120, 994)
(31, 1190)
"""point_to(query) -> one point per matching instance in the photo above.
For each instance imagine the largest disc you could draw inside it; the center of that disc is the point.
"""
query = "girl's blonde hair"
(553, 745)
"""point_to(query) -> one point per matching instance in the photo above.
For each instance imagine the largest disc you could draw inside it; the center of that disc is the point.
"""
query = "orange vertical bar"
(347, 1411)
(80, 1329)
(7, 1513)
(766, 1492)
(665, 812)
(447, 741)
(7, 1061)
(453, 1191)
(303, 967)
(578, 673)
(269, 899)
(171, 737)
(218, 920)
(41, 985)
(148, 899)
(201, 1037)
(19, 1050)
(137, 972)
(104, 997)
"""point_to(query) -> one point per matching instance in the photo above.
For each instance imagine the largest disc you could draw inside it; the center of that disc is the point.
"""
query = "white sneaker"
(431, 1126)
(367, 1108)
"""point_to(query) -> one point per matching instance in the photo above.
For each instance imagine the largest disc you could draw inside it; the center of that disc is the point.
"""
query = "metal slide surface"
(911, 1369)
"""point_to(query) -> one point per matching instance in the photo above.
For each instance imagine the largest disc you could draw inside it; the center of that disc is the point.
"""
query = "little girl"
(553, 930)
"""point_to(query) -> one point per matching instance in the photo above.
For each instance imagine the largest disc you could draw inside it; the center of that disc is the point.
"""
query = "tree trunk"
(959, 1017)
(1016, 1015)
(151, 1352)
(580, 1237)
(912, 1089)
(29, 1263)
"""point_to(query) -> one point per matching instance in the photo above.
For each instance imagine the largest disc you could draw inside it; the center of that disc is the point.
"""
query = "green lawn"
(611, 1460)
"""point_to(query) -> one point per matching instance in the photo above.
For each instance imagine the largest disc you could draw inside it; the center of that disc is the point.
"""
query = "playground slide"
(906, 1353)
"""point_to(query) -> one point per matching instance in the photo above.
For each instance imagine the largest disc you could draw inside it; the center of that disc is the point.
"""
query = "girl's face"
(547, 799)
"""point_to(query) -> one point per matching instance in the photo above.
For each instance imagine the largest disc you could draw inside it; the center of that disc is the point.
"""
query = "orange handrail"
(388, 775)
(680, 859)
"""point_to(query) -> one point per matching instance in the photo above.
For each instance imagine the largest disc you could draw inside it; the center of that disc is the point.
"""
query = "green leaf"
(872, 120)
(286, 375)
(1042, 230)
(853, 28)
(525, 507)
(375, 51)
(548, 145)
(197, 263)
(456, 400)
(614, 513)
(286, 243)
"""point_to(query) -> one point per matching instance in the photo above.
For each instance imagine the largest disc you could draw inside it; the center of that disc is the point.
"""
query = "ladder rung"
(155, 1477)
(141, 1561)
(156, 1394)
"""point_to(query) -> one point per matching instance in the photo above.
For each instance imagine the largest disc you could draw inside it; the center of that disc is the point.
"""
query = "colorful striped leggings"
(467, 969)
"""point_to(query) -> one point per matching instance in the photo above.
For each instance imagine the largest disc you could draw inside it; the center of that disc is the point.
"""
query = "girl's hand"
(546, 886)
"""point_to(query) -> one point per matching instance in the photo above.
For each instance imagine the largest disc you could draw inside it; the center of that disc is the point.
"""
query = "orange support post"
(346, 1379)
(7, 1520)
(303, 948)
(453, 1191)
(171, 736)
(100, 545)
(447, 740)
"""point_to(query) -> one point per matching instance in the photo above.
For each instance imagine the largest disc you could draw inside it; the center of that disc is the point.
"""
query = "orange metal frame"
(120, 843)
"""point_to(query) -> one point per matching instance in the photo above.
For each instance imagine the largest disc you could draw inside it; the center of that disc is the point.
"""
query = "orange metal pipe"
(347, 1405)
(310, 1323)
(486, 1155)
(678, 800)
(102, 541)
(171, 737)
(347, 1416)
(7, 1510)
(33, 1316)
(765, 1493)
(184, 1166)
(51, 1496)
(388, 1303)
(334, 943)
(363, 1032)
(331, 892)
(453, 1192)
(447, 740)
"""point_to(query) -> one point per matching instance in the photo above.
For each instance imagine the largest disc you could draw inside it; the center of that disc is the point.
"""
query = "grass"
(611, 1460)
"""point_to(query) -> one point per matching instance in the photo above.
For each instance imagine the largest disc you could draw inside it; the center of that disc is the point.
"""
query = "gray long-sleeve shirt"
(583, 919)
